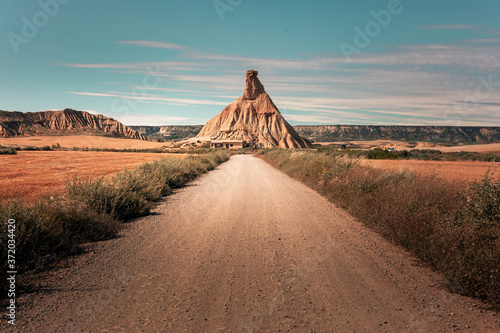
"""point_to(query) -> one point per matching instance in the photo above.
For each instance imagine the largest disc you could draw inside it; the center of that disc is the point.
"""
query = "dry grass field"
(486, 148)
(452, 170)
(401, 145)
(79, 141)
(38, 173)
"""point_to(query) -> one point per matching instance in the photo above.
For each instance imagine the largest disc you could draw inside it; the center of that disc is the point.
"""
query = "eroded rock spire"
(253, 87)
(255, 119)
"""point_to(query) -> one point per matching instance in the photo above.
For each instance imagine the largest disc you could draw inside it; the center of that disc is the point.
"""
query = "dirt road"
(247, 249)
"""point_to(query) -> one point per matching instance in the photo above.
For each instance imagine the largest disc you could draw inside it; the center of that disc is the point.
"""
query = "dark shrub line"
(191, 151)
(453, 227)
(420, 154)
(7, 151)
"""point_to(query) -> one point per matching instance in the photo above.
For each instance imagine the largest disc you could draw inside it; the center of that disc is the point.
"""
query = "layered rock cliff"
(436, 134)
(254, 118)
(168, 132)
(67, 121)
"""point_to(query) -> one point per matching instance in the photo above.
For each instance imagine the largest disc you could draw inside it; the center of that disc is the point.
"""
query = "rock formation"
(168, 132)
(254, 118)
(67, 121)
(436, 134)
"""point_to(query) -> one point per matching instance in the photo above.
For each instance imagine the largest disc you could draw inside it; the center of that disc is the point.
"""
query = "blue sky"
(407, 62)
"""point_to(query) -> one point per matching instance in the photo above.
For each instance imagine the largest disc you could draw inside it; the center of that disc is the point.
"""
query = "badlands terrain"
(244, 248)
(67, 121)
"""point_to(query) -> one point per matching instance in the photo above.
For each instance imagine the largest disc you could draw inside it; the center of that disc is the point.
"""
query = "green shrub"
(7, 151)
(129, 194)
(117, 200)
(31, 148)
(473, 261)
(421, 154)
(49, 229)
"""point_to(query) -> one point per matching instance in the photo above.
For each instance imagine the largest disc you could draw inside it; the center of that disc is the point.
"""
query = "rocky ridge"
(434, 134)
(66, 122)
(169, 132)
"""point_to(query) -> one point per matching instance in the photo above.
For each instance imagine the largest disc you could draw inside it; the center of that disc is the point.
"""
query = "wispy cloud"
(151, 98)
(148, 43)
(485, 40)
(147, 119)
(403, 84)
(449, 27)
(467, 53)
(311, 118)
(150, 67)
(272, 64)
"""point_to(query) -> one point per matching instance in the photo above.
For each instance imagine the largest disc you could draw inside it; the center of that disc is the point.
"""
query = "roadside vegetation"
(418, 154)
(455, 227)
(57, 147)
(7, 151)
(92, 209)
(377, 153)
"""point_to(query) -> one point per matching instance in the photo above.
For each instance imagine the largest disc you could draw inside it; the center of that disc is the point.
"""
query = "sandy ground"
(38, 173)
(247, 249)
(486, 148)
(79, 141)
(453, 170)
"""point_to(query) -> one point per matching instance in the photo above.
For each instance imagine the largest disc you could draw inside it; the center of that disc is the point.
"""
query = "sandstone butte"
(255, 119)
(66, 121)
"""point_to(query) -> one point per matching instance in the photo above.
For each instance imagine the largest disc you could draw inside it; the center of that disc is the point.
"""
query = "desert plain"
(35, 174)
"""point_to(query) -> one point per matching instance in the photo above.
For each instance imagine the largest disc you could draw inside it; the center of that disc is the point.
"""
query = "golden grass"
(79, 141)
(34, 174)
(482, 148)
(401, 145)
(450, 170)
